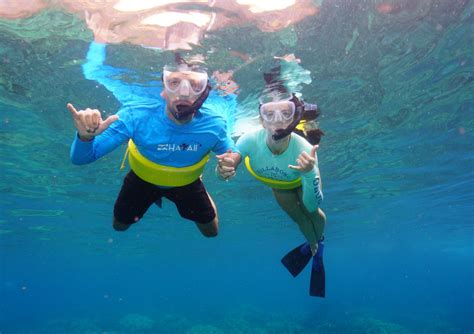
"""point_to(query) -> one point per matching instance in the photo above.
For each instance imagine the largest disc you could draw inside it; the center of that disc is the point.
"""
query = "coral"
(204, 329)
(73, 326)
(136, 322)
(376, 326)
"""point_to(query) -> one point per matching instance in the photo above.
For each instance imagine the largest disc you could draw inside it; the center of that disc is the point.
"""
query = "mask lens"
(185, 80)
(282, 111)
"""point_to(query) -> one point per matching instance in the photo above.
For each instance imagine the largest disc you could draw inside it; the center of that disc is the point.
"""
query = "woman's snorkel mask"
(187, 81)
(284, 111)
(279, 113)
(280, 108)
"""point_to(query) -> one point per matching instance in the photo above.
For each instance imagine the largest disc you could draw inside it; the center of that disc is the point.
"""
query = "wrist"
(85, 138)
(311, 174)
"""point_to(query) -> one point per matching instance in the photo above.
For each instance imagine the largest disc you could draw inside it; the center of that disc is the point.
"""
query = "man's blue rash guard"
(158, 138)
(143, 118)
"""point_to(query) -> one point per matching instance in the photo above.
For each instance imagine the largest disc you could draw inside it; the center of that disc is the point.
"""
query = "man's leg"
(118, 226)
(210, 229)
(194, 203)
(134, 199)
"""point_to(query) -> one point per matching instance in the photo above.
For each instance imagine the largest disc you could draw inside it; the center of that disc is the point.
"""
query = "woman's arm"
(312, 191)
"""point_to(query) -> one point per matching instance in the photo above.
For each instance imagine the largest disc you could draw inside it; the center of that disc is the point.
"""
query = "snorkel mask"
(186, 82)
(280, 112)
(278, 107)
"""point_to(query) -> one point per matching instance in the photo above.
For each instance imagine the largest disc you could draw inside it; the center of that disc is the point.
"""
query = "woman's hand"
(306, 161)
(89, 122)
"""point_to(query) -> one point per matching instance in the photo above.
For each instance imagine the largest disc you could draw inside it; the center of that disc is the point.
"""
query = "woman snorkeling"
(287, 162)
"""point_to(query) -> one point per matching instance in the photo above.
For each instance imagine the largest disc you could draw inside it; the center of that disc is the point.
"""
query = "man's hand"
(226, 164)
(89, 122)
(306, 161)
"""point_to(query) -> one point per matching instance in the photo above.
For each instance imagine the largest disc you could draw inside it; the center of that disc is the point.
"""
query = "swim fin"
(297, 259)
(317, 285)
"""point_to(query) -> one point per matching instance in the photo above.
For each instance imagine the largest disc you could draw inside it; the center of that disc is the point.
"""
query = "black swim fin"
(297, 259)
(317, 285)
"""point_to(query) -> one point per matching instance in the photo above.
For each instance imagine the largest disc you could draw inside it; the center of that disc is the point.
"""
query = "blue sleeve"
(224, 142)
(84, 152)
(223, 111)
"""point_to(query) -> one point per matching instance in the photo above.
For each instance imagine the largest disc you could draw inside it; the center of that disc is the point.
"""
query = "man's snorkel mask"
(186, 80)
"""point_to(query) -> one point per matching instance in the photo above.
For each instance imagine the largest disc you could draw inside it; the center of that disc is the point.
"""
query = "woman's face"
(277, 115)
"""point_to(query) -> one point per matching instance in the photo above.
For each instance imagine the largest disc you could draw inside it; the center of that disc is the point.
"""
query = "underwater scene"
(357, 121)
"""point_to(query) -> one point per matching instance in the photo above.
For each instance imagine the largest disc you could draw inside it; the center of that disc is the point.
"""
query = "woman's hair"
(308, 127)
(311, 132)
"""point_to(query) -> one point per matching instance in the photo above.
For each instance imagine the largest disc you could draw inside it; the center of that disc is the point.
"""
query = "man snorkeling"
(168, 147)
(287, 162)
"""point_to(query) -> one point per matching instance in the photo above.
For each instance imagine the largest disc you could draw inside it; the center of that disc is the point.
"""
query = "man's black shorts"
(136, 196)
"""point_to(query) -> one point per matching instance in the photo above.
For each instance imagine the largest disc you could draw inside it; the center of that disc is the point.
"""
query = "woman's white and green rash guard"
(266, 164)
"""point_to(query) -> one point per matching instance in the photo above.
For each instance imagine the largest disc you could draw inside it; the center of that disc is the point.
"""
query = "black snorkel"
(184, 111)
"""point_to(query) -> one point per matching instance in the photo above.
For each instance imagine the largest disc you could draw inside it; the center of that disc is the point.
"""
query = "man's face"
(183, 87)
(174, 100)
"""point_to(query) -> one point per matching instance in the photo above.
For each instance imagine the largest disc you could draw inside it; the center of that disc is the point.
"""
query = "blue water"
(398, 179)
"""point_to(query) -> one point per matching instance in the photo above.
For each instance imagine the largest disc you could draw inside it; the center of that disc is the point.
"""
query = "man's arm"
(94, 137)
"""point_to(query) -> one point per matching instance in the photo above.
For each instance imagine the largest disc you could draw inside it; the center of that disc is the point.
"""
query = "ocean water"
(394, 80)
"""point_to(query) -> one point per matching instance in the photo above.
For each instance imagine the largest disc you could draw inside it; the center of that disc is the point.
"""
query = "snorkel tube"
(184, 111)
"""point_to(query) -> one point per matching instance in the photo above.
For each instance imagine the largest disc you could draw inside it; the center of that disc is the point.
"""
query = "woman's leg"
(310, 224)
